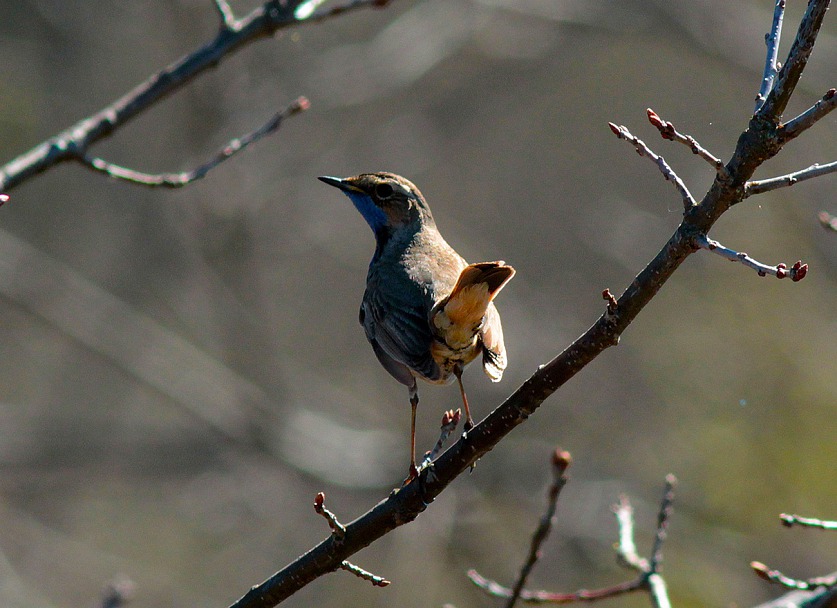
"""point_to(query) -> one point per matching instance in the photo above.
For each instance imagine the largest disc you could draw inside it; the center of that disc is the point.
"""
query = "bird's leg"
(469, 422)
(413, 405)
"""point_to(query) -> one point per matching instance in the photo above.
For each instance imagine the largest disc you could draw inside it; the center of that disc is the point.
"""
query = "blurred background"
(182, 371)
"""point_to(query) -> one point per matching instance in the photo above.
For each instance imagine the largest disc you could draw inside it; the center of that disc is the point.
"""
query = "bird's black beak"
(337, 182)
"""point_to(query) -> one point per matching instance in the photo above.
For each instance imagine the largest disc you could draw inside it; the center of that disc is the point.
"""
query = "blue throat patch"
(373, 214)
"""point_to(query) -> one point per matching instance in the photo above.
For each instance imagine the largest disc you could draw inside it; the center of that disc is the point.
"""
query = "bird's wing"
(493, 349)
(400, 329)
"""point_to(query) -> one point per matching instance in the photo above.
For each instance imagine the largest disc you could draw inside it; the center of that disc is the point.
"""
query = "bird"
(426, 312)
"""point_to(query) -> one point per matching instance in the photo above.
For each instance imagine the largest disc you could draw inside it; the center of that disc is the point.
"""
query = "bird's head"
(385, 200)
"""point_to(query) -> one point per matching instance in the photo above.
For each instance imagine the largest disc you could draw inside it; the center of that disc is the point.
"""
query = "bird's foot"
(411, 474)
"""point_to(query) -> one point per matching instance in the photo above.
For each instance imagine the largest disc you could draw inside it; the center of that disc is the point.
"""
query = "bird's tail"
(458, 318)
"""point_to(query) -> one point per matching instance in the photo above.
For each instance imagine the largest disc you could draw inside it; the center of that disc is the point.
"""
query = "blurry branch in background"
(649, 578)
(561, 461)
(763, 138)
(807, 522)
(828, 221)
(826, 585)
(118, 593)
(73, 144)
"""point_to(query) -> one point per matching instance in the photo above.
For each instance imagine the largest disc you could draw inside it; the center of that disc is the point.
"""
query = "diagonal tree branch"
(73, 143)
(756, 144)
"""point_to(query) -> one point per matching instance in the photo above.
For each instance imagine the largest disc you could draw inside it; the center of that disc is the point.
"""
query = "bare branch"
(667, 131)
(225, 13)
(666, 508)
(359, 572)
(118, 593)
(828, 221)
(626, 551)
(308, 8)
(775, 576)
(178, 180)
(785, 181)
(643, 150)
(325, 13)
(649, 579)
(809, 522)
(788, 77)
(757, 143)
(658, 591)
(561, 461)
(796, 126)
(73, 143)
(820, 598)
(797, 272)
(770, 64)
(495, 589)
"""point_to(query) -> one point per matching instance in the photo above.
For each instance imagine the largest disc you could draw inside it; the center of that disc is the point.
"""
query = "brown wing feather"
(493, 274)
(493, 348)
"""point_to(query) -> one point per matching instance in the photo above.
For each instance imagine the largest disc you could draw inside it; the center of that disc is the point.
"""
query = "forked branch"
(74, 143)
(758, 142)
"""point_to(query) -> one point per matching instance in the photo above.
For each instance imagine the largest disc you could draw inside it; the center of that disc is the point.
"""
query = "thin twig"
(775, 576)
(118, 593)
(225, 13)
(359, 572)
(561, 461)
(658, 591)
(810, 522)
(643, 150)
(308, 8)
(626, 551)
(770, 64)
(668, 131)
(786, 80)
(785, 181)
(796, 272)
(338, 530)
(495, 589)
(663, 516)
(796, 126)
(178, 180)
(828, 221)
(325, 13)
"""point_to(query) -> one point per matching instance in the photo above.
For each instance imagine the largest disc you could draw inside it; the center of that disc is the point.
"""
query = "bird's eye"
(383, 190)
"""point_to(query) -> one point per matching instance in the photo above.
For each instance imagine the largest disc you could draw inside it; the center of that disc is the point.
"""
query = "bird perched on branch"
(426, 312)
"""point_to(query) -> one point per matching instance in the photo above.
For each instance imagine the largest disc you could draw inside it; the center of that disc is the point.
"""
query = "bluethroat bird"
(426, 312)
